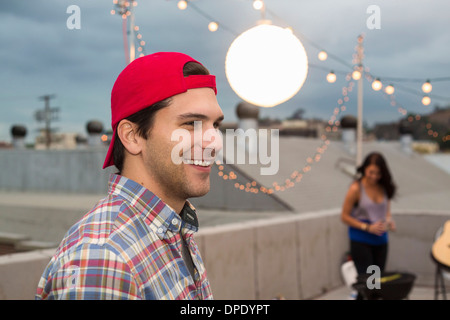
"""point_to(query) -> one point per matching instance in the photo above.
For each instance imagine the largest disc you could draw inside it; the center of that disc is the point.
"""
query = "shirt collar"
(159, 216)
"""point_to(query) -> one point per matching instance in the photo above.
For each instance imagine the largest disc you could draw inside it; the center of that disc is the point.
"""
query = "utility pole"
(359, 125)
(47, 115)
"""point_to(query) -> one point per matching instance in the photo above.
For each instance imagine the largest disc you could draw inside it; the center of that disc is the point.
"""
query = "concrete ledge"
(20, 273)
(292, 256)
(34, 245)
(299, 256)
(12, 238)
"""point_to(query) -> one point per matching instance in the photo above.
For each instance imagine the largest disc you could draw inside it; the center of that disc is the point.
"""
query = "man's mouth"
(201, 163)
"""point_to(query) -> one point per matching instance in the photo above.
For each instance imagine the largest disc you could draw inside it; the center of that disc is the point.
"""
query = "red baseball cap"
(148, 80)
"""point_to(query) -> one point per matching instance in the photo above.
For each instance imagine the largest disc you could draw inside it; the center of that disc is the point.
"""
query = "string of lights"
(394, 103)
(324, 54)
(297, 174)
(213, 25)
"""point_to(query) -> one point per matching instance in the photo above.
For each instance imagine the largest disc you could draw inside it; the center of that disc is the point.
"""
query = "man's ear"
(126, 132)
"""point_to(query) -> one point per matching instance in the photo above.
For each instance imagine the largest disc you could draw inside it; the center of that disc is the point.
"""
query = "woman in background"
(366, 210)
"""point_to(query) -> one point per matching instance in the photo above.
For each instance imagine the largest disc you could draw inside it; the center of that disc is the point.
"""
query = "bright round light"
(182, 4)
(426, 87)
(426, 100)
(331, 77)
(389, 89)
(258, 4)
(266, 65)
(356, 75)
(213, 26)
(377, 85)
(322, 56)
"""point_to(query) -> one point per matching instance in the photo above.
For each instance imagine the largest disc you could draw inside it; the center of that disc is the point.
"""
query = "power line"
(210, 18)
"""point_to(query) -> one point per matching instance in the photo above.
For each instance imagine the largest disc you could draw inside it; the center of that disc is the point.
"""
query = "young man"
(137, 242)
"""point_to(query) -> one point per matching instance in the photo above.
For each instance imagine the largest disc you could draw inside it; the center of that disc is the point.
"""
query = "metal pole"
(47, 122)
(359, 126)
(131, 34)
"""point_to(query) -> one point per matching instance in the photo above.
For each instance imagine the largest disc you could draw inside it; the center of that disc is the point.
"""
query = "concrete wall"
(410, 245)
(296, 256)
(60, 171)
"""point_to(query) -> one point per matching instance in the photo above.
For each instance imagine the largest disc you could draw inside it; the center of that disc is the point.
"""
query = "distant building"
(302, 127)
(5, 145)
(70, 140)
(58, 141)
(418, 129)
(440, 116)
(248, 115)
(386, 131)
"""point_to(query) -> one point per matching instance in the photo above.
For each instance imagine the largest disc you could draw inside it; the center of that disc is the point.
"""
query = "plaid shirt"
(127, 247)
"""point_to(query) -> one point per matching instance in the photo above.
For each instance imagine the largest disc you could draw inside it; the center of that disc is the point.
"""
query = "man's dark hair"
(144, 118)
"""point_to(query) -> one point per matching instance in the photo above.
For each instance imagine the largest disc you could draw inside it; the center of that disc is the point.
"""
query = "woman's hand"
(377, 228)
(390, 225)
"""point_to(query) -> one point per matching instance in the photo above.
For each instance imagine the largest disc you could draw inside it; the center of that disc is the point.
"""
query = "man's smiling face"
(190, 178)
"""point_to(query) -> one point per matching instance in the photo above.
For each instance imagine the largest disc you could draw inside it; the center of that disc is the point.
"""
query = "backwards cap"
(148, 80)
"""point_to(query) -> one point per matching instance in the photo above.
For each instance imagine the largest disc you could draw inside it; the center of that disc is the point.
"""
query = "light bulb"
(258, 4)
(266, 65)
(322, 55)
(389, 89)
(356, 75)
(426, 87)
(213, 26)
(331, 77)
(426, 100)
(377, 85)
(182, 4)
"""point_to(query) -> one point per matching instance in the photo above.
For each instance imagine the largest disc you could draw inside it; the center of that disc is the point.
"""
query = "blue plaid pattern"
(127, 247)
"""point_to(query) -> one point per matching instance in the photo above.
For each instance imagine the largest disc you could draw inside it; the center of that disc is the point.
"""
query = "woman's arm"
(390, 223)
(351, 198)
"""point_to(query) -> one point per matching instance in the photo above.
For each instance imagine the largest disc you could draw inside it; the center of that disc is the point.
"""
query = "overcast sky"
(40, 55)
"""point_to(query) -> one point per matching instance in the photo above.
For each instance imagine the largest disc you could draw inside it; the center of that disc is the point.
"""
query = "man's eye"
(189, 123)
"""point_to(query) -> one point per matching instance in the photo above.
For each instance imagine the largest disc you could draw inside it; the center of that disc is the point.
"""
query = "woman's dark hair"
(386, 178)
(145, 117)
